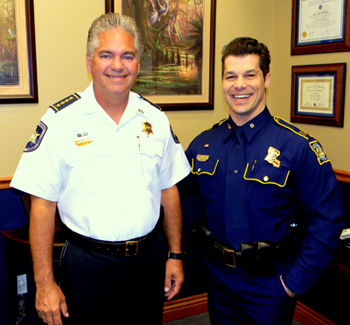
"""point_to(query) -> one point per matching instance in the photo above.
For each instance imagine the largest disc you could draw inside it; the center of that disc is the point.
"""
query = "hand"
(50, 302)
(289, 293)
(174, 277)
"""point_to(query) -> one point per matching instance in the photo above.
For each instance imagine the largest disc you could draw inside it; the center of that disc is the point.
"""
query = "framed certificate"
(320, 26)
(318, 94)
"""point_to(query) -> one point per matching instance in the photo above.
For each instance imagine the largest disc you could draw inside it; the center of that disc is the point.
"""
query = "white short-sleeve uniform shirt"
(106, 178)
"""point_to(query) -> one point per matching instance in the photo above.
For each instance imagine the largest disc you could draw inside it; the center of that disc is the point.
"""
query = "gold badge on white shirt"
(147, 127)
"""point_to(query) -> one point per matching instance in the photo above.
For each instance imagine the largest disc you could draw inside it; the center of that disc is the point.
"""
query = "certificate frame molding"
(189, 102)
(330, 46)
(27, 90)
(335, 70)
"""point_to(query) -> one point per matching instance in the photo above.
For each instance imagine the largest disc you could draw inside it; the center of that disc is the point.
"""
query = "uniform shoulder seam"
(149, 102)
(217, 124)
(291, 127)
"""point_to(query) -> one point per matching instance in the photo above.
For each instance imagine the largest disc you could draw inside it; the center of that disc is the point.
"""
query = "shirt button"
(266, 178)
(198, 170)
(236, 171)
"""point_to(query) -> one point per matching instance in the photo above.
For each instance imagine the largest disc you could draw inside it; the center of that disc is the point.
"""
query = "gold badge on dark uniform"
(147, 127)
(271, 157)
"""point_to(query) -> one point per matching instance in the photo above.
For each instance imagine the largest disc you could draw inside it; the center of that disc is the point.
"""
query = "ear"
(88, 63)
(138, 68)
(267, 80)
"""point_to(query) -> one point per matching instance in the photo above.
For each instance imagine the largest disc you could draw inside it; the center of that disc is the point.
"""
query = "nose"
(117, 64)
(239, 82)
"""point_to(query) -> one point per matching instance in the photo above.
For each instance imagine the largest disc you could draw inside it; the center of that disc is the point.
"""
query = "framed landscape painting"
(18, 78)
(177, 65)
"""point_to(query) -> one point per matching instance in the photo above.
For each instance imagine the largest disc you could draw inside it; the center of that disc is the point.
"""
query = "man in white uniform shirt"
(107, 158)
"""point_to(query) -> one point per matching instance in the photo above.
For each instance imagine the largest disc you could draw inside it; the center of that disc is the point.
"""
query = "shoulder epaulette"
(217, 124)
(280, 121)
(65, 102)
(149, 102)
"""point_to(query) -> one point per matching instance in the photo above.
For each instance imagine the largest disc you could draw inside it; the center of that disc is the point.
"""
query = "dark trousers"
(110, 289)
(235, 299)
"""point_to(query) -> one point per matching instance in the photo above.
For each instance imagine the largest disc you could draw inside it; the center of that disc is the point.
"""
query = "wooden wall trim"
(5, 182)
(307, 316)
(342, 176)
(186, 307)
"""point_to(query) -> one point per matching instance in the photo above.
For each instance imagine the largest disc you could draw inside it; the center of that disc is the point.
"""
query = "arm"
(174, 275)
(50, 301)
(318, 193)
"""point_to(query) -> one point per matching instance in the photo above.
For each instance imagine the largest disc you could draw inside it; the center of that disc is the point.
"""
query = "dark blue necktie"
(237, 223)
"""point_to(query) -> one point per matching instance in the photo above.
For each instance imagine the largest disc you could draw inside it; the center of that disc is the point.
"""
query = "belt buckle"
(131, 251)
(231, 252)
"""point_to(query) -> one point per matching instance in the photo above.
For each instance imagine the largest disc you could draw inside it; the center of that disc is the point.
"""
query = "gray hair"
(107, 22)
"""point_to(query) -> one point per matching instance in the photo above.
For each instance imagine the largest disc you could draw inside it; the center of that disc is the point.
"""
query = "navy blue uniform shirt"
(255, 194)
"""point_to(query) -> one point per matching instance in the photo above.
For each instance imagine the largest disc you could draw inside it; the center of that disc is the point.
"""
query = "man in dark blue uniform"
(255, 174)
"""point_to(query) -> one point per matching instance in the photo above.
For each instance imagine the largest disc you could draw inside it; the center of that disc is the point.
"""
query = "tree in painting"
(172, 34)
(8, 44)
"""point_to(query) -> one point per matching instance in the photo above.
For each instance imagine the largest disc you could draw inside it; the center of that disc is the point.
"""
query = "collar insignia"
(147, 127)
(271, 157)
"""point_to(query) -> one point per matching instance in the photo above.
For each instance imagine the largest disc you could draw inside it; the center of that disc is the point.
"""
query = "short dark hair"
(242, 46)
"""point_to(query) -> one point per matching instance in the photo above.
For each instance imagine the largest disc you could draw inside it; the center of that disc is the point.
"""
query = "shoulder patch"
(65, 102)
(280, 121)
(149, 102)
(36, 138)
(176, 139)
(217, 124)
(318, 150)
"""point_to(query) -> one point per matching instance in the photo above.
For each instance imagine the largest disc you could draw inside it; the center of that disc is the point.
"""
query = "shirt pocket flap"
(267, 175)
(201, 167)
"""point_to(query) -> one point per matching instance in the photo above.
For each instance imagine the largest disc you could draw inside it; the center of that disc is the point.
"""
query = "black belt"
(124, 248)
(256, 250)
(228, 256)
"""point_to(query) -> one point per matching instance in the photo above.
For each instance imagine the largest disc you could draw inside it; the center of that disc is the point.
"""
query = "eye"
(231, 77)
(105, 56)
(128, 57)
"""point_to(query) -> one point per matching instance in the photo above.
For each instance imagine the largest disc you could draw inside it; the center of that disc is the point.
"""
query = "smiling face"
(244, 87)
(114, 65)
